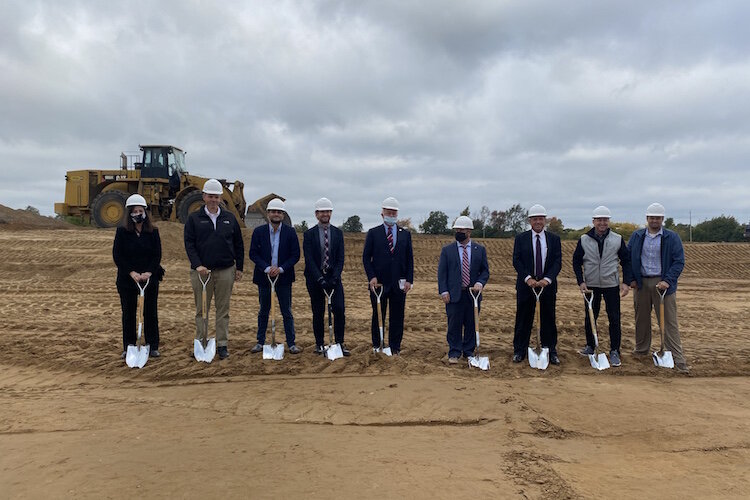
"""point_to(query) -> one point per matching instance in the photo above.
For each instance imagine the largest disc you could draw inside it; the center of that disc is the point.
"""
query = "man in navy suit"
(388, 258)
(461, 264)
(537, 258)
(274, 248)
(323, 246)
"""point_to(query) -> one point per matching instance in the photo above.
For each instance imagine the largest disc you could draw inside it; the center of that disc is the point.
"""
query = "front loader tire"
(189, 204)
(108, 208)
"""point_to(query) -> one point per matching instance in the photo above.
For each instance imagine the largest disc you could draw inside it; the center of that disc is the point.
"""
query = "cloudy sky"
(441, 104)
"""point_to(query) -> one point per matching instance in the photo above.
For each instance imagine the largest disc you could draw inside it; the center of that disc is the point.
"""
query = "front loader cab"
(162, 162)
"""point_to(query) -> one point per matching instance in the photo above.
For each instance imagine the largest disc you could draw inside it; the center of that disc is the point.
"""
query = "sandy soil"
(76, 422)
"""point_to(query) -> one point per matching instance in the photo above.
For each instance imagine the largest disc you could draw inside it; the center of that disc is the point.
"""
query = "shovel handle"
(538, 317)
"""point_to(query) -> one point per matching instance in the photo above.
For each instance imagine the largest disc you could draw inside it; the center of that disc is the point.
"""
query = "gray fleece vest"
(601, 272)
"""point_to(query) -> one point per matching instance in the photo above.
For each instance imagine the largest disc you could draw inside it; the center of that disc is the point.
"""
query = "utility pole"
(690, 225)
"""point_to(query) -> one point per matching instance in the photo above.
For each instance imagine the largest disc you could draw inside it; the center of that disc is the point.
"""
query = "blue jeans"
(284, 294)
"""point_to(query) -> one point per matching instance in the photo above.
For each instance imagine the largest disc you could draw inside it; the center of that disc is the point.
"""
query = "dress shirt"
(543, 242)
(274, 235)
(395, 232)
(211, 216)
(651, 254)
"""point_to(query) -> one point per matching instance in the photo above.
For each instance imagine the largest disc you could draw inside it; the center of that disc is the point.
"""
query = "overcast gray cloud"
(442, 104)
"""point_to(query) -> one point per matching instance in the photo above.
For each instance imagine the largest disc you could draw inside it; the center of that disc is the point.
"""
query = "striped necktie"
(390, 238)
(325, 248)
(465, 272)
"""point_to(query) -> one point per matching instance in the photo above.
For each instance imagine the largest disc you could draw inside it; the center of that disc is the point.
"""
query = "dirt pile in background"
(13, 219)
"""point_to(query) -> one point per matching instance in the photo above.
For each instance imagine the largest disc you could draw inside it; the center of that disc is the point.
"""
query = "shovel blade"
(334, 351)
(210, 351)
(481, 362)
(663, 360)
(599, 362)
(539, 361)
(198, 352)
(136, 357)
(273, 352)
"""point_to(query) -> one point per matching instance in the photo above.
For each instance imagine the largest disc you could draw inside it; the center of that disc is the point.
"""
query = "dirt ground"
(76, 422)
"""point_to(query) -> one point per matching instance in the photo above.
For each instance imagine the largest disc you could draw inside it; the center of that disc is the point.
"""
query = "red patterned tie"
(390, 238)
(465, 273)
(325, 248)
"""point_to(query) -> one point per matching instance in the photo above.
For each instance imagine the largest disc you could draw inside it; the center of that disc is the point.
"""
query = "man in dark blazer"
(455, 277)
(274, 248)
(389, 261)
(323, 246)
(537, 258)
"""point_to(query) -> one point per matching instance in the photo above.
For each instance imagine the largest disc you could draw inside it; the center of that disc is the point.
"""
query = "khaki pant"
(644, 300)
(220, 288)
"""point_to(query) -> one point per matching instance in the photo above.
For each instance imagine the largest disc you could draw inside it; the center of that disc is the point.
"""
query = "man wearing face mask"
(213, 242)
(537, 258)
(389, 262)
(463, 266)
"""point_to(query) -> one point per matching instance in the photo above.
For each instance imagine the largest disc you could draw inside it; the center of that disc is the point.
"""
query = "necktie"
(539, 269)
(465, 276)
(390, 238)
(325, 249)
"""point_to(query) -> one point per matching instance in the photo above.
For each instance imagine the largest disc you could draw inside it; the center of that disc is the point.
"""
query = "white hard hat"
(655, 210)
(136, 200)
(323, 204)
(390, 203)
(276, 204)
(463, 222)
(537, 211)
(212, 186)
(601, 212)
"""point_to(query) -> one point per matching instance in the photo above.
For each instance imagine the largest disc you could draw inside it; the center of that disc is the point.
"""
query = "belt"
(657, 276)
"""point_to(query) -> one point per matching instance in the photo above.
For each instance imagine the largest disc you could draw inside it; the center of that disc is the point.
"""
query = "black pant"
(319, 304)
(397, 299)
(129, 302)
(525, 318)
(612, 303)
(461, 336)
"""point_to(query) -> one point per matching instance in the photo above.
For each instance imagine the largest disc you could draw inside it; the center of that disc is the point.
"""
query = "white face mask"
(390, 220)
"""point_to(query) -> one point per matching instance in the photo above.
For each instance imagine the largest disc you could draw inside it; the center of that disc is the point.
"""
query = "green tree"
(720, 228)
(352, 225)
(406, 224)
(555, 225)
(436, 223)
(465, 211)
(301, 227)
(517, 219)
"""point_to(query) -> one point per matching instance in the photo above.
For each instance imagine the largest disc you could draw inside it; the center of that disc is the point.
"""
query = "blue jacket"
(449, 269)
(386, 266)
(260, 254)
(672, 257)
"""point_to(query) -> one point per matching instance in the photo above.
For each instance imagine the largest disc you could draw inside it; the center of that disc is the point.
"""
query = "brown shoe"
(453, 361)
(682, 368)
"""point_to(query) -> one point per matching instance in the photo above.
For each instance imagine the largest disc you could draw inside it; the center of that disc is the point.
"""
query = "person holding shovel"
(462, 266)
(274, 248)
(323, 247)
(214, 246)
(595, 262)
(657, 260)
(537, 259)
(137, 255)
(389, 262)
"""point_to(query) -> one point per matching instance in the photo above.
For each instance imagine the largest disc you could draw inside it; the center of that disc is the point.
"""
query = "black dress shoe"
(319, 350)
(256, 348)
(223, 352)
(554, 359)
(154, 353)
(345, 351)
(124, 353)
(517, 358)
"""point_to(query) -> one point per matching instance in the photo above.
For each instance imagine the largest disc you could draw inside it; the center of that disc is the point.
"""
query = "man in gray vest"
(595, 262)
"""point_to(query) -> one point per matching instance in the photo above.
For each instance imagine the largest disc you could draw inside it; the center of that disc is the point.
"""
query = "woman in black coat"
(137, 254)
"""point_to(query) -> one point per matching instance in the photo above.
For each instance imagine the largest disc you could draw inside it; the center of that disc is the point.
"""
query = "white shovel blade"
(664, 361)
(539, 361)
(334, 352)
(387, 351)
(599, 362)
(210, 352)
(198, 352)
(136, 357)
(275, 353)
(481, 362)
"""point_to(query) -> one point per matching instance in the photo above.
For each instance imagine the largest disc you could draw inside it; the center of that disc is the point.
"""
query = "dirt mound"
(13, 219)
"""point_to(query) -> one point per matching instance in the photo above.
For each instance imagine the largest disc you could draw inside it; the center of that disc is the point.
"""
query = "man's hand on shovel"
(203, 271)
(662, 285)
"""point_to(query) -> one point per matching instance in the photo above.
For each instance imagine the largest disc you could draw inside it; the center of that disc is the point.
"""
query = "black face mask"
(460, 237)
(138, 218)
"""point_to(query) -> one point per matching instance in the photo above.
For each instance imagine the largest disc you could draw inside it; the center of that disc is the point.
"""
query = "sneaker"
(223, 352)
(256, 348)
(295, 350)
(345, 351)
(587, 351)
(453, 361)
(154, 353)
(319, 350)
(614, 358)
